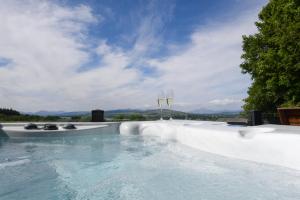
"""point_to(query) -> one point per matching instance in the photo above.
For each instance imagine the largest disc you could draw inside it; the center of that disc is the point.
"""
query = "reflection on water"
(111, 166)
(38, 168)
(3, 137)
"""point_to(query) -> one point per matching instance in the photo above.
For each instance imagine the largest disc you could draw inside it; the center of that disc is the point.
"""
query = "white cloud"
(225, 102)
(208, 68)
(46, 44)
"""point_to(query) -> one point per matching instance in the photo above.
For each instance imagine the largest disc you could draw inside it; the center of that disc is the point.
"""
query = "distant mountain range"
(80, 113)
(207, 111)
(58, 113)
(110, 113)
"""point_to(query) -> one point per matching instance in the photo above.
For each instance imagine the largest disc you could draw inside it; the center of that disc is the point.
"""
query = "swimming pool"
(114, 166)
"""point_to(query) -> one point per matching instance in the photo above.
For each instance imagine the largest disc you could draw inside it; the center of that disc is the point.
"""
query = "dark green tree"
(10, 112)
(137, 117)
(272, 55)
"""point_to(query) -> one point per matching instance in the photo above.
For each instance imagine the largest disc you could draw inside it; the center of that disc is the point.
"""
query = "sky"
(76, 55)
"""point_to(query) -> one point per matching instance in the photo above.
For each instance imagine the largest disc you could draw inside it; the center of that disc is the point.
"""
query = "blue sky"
(180, 18)
(80, 55)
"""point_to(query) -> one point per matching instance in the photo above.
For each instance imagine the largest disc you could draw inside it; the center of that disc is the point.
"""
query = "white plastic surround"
(270, 144)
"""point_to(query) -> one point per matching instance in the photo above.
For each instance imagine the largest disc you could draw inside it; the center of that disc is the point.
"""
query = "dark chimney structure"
(97, 115)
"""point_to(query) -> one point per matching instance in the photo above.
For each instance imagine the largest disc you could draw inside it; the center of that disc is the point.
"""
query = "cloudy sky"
(79, 55)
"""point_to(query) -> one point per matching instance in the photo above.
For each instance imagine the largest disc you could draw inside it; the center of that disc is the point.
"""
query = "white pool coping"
(6, 124)
(269, 144)
(60, 128)
(17, 129)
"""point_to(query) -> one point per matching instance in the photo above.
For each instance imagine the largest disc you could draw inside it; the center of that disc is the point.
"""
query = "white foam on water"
(13, 163)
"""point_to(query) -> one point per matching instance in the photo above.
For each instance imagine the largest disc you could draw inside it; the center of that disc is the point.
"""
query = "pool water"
(112, 166)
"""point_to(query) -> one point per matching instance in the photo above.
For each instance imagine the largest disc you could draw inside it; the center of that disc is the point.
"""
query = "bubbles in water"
(111, 166)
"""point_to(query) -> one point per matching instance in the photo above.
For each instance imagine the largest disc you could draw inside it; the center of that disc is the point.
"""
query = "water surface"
(112, 166)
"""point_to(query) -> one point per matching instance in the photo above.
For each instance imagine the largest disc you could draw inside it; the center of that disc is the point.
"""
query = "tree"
(9, 112)
(272, 55)
(137, 117)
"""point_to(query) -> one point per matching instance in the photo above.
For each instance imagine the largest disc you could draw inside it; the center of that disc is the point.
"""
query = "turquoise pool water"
(112, 166)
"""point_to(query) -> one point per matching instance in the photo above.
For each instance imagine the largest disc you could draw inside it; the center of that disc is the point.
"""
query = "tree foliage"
(6, 111)
(131, 117)
(11, 115)
(272, 55)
